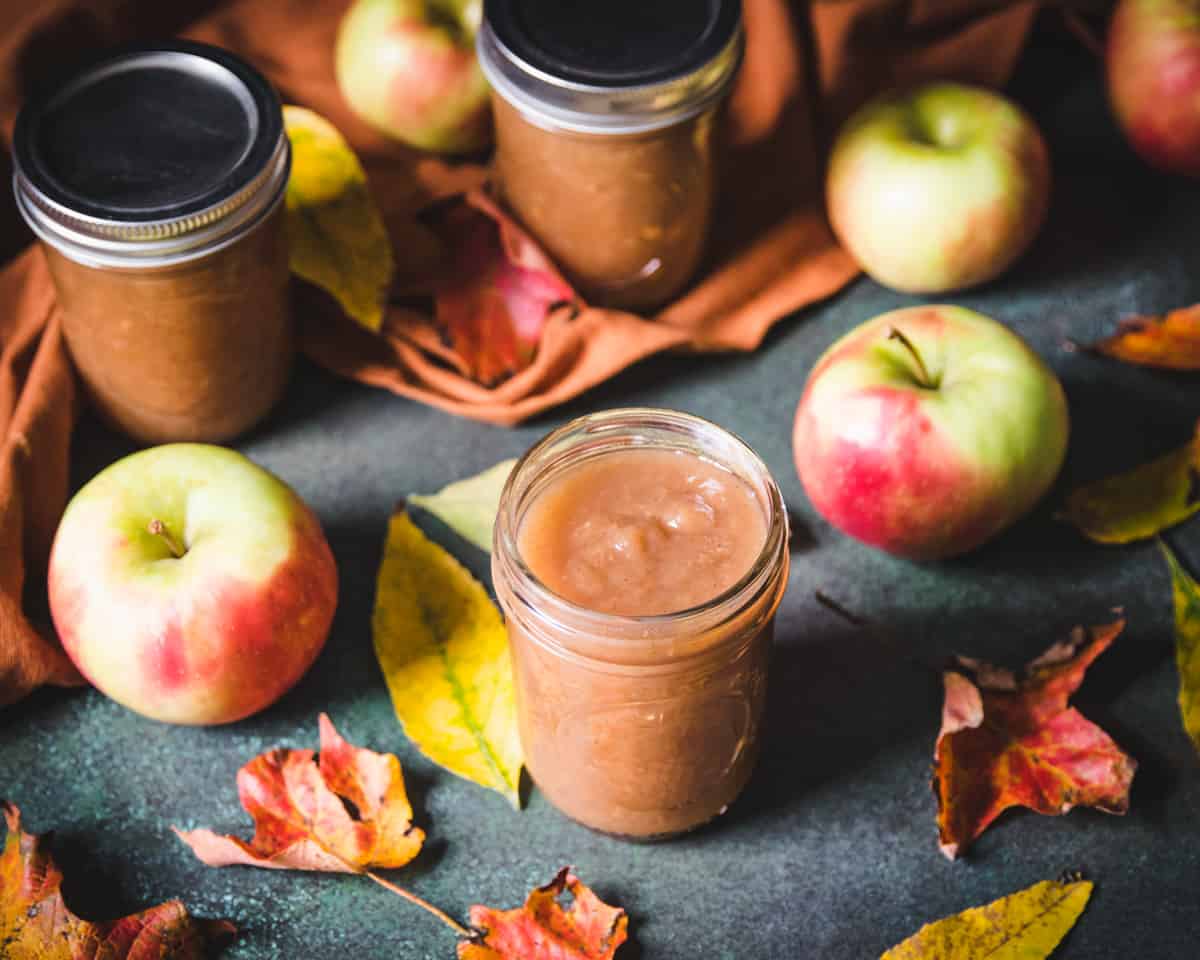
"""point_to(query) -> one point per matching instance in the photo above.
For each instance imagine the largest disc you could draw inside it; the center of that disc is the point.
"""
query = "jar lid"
(151, 156)
(624, 66)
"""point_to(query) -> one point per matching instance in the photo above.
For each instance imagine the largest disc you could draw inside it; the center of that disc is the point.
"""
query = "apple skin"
(1153, 69)
(408, 68)
(938, 188)
(217, 634)
(927, 472)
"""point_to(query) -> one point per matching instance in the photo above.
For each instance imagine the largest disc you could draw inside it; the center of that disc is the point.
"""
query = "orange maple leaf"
(35, 921)
(496, 293)
(342, 811)
(589, 929)
(1012, 741)
(1171, 342)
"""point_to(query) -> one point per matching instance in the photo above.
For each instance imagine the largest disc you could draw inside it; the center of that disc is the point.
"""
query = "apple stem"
(448, 920)
(923, 376)
(159, 529)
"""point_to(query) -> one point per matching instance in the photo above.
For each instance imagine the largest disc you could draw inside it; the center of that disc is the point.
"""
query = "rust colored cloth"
(772, 253)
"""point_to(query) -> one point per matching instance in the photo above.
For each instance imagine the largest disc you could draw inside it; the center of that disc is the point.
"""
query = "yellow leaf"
(336, 238)
(443, 649)
(1026, 925)
(1141, 503)
(1187, 643)
(469, 507)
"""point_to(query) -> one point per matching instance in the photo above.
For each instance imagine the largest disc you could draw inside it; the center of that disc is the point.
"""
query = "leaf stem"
(159, 529)
(448, 920)
(923, 377)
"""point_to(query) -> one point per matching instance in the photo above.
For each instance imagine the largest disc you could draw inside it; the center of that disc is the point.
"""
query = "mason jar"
(607, 128)
(639, 726)
(155, 178)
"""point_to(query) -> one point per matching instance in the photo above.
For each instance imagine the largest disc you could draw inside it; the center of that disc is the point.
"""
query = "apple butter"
(640, 556)
(605, 134)
(155, 179)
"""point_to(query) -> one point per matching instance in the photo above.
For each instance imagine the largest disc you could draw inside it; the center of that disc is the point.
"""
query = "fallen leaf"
(1012, 741)
(1171, 342)
(1142, 502)
(443, 650)
(343, 811)
(1187, 643)
(1026, 925)
(496, 292)
(336, 237)
(35, 923)
(469, 507)
(588, 930)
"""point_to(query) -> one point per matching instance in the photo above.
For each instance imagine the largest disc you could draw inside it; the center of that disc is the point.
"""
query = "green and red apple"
(938, 188)
(190, 584)
(408, 68)
(1153, 67)
(926, 431)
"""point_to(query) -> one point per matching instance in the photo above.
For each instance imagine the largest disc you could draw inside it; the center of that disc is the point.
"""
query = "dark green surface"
(832, 851)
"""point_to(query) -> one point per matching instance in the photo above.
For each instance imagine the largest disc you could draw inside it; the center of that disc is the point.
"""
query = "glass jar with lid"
(640, 724)
(154, 178)
(606, 134)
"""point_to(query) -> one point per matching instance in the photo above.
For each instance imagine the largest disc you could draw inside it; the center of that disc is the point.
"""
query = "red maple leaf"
(496, 292)
(1011, 741)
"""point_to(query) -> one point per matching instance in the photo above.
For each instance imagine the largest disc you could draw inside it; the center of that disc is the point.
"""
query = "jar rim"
(556, 103)
(569, 617)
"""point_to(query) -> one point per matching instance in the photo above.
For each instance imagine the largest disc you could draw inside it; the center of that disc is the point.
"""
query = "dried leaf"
(443, 649)
(1187, 643)
(1142, 502)
(35, 923)
(588, 930)
(1026, 925)
(344, 811)
(1012, 741)
(495, 295)
(336, 237)
(1171, 342)
(469, 507)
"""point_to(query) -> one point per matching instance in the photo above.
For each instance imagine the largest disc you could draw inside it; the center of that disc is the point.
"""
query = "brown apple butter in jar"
(605, 134)
(639, 557)
(155, 179)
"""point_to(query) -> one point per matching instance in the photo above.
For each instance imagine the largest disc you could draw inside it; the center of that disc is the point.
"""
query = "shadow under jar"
(155, 179)
(639, 557)
(605, 134)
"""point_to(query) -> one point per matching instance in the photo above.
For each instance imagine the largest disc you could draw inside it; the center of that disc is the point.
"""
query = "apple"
(1153, 68)
(408, 68)
(938, 188)
(927, 430)
(190, 584)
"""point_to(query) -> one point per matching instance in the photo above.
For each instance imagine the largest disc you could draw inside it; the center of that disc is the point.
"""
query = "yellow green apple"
(190, 584)
(408, 68)
(926, 431)
(937, 188)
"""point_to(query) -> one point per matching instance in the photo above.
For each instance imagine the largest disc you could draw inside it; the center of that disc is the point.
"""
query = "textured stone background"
(831, 852)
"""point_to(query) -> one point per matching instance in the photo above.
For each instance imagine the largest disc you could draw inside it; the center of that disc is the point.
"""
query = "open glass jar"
(605, 134)
(639, 726)
(155, 180)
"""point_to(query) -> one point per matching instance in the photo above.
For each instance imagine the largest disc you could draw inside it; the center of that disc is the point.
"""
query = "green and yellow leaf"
(443, 649)
(1026, 925)
(1142, 502)
(469, 507)
(336, 237)
(1187, 643)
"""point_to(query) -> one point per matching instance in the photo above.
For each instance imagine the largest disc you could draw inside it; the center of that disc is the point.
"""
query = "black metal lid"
(615, 66)
(615, 43)
(148, 143)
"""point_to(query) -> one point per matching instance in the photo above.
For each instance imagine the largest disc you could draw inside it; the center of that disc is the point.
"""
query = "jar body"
(641, 727)
(624, 216)
(198, 350)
